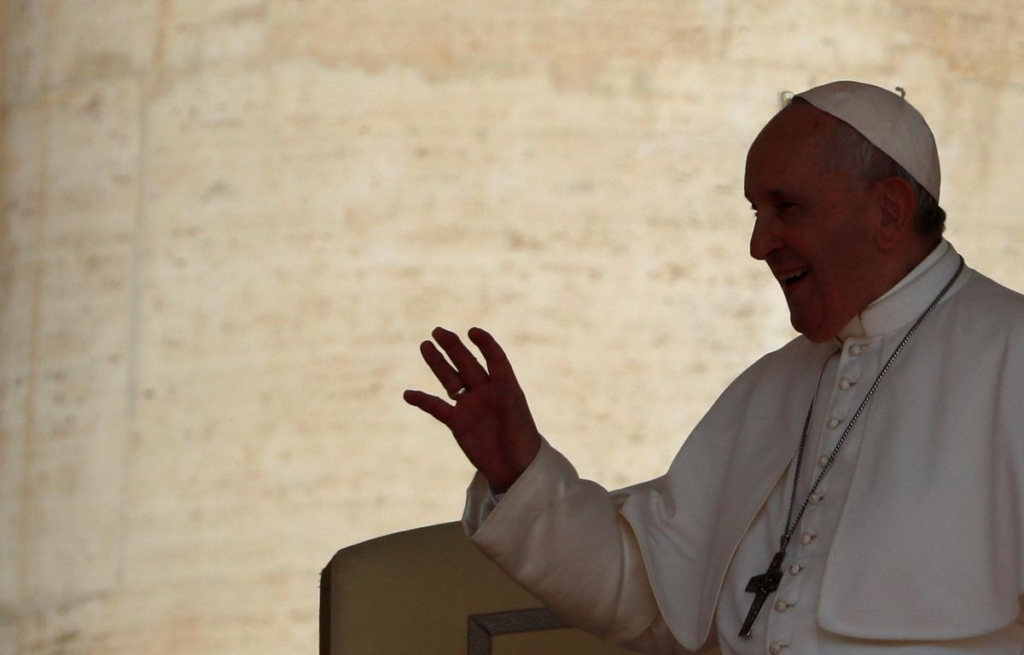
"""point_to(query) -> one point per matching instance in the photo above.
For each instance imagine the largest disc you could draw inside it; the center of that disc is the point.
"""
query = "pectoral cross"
(761, 586)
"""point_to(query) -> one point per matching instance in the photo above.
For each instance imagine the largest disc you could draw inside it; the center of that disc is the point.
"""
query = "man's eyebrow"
(774, 194)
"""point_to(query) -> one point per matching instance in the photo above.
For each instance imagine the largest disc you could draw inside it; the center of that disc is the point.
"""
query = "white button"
(806, 538)
(775, 648)
(781, 606)
(823, 462)
(795, 568)
(832, 422)
(845, 384)
(855, 349)
(815, 498)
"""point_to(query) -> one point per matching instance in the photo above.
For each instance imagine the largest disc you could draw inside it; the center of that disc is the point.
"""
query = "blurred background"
(227, 224)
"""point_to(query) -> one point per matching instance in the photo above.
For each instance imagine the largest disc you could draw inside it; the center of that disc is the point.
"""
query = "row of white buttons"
(794, 569)
(833, 423)
(781, 606)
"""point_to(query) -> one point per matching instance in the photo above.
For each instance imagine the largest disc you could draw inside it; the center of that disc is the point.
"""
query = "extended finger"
(468, 367)
(432, 405)
(443, 371)
(497, 362)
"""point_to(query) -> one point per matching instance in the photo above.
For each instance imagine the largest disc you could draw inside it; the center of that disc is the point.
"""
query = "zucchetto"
(888, 121)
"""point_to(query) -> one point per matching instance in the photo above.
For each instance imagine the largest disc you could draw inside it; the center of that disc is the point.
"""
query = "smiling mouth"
(791, 278)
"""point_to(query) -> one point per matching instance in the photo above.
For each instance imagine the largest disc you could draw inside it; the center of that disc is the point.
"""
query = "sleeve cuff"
(482, 503)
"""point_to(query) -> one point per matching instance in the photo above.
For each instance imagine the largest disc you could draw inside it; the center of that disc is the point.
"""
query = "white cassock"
(913, 543)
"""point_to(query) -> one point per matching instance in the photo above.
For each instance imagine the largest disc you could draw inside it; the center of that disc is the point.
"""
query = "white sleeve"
(564, 540)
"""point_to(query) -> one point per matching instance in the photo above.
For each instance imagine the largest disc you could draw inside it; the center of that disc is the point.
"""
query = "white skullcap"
(888, 121)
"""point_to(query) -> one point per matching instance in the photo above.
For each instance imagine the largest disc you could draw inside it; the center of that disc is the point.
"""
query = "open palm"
(490, 419)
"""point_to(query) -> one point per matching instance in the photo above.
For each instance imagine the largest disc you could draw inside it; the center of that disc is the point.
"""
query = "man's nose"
(763, 239)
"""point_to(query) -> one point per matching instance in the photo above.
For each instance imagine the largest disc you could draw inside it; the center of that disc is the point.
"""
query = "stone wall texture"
(227, 224)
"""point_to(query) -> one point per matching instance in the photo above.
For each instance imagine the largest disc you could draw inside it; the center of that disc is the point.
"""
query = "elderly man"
(860, 490)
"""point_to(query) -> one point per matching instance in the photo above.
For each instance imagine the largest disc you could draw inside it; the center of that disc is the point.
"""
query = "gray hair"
(849, 150)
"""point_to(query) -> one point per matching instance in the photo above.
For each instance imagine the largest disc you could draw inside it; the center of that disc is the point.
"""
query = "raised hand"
(490, 419)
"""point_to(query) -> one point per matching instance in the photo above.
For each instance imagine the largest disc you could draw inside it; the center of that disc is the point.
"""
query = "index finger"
(497, 362)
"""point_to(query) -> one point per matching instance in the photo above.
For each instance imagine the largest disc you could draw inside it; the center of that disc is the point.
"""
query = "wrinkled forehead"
(789, 151)
(800, 128)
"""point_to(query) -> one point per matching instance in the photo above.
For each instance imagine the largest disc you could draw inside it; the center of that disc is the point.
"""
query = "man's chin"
(812, 332)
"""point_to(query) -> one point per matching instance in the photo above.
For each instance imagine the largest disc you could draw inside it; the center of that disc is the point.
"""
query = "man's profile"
(859, 490)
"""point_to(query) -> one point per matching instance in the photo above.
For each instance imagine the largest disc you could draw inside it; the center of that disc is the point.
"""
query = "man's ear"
(896, 206)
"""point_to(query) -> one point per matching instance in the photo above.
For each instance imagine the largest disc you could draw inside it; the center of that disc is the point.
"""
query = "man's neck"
(912, 264)
(921, 264)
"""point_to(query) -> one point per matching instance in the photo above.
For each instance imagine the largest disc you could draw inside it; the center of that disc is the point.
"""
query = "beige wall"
(227, 224)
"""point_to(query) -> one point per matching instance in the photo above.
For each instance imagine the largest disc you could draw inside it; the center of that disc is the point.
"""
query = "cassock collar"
(908, 298)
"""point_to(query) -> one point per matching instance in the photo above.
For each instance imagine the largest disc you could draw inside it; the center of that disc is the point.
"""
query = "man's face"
(813, 223)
